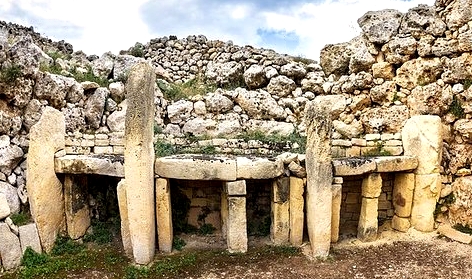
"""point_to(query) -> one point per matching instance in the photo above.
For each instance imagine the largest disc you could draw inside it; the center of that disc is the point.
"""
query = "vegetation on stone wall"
(10, 74)
(179, 91)
(456, 107)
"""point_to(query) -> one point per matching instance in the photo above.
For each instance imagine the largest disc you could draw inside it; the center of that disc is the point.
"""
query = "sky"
(295, 27)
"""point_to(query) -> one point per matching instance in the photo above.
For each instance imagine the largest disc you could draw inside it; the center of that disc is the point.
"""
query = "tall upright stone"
(164, 215)
(422, 138)
(280, 211)
(139, 161)
(123, 206)
(46, 198)
(297, 216)
(76, 205)
(319, 174)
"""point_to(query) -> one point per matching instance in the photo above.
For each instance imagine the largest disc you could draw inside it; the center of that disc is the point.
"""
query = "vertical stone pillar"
(164, 215)
(368, 223)
(336, 211)
(297, 203)
(123, 206)
(403, 187)
(45, 192)
(224, 214)
(319, 174)
(422, 138)
(280, 205)
(76, 205)
(236, 226)
(139, 161)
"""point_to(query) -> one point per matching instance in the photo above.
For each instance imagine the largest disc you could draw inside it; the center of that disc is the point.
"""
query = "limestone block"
(164, 215)
(139, 158)
(236, 188)
(403, 187)
(258, 168)
(11, 196)
(372, 185)
(425, 197)
(123, 207)
(280, 223)
(319, 175)
(196, 167)
(76, 205)
(353, 166)
(44, 188)
(422, 139)
(10, 250)
(84, 164)
(449, 232)
(401, 224)
(297, 204)
(4, 208)
(281, 190)
(336, 212)
(29, 237)
(224, 214)
(236, 234)
(368, 225)
(395, 163)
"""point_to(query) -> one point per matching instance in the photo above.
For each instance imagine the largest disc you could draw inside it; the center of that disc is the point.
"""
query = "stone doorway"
(258, 207)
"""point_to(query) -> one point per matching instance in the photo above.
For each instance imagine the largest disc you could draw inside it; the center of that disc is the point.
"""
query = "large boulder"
(385, 119)
(10, 156)
(380, 26)
(430, 99)
(103, 66)
(293, 70)
(95, 105)
(422, 20)
(116, 120)
(458, 13)
(10, 250)
(457, 69)
(334, 59)
(123, 64)
(421, 71)
(225, 74)
(11, 196)
(259, 104)
(57, 90)
(19, 92)
(32, 113)
(460, 211)
(179, 111)
(281, 86)
(200, 127)
(218, 103)
(28, 56)
(255, 77)
(399, 50)
(74, 117)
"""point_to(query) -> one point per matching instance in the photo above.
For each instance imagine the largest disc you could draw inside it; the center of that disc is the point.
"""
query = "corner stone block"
(236, 188)
(139, 158)
(164, 215)
(422, 138)
(123, 207)
(372, 185)
(336, 212)
(297, 203)
(425, 197)
(236, 237)
(45, 191)
(401, 224)
(10, 249)
(29, 237)
(368, 224)
(403, 187)
(76, 205)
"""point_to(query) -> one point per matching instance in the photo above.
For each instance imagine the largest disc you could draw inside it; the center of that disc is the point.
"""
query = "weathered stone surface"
(296, 169)
(383, 70)
(383, 93)
(255, 77)
(319, 175)
(385, 119)
(164, 215)
(459, 210)
(196, 167)
(422, 20)
(334, 59)
(368, 224)
(94, 107)
(44, 188)
(456, 13)
(57, 90)
(83, 164)
(123, 64)
(139, 158)
(116, 120)
(395, 163)
(403, 187)
(352, 130)
(11, 196)
(31, 115)
(224, 73)
(353, 166)
(336, 212)
(4, 208)
(179, 111)
(259, 104)
(10, 250)
(117, 91)
(76, 205)
(297, 204)
(29, 237)
(123, 207)
(430, 99)
(420, 71)
(280, 225)
(200, 127)
(235, 188)
(258, 168)
(271, 127)
(293, 70)
(218, 103)
(457, 69)
(401, 224)
(425, 197)
(74, 117)
(451, 233)
(372, 185)
(380, 26)
(10, 156)
(281, 86)
(399, 50)
(19, 92)
(236, 226)
(421, 135)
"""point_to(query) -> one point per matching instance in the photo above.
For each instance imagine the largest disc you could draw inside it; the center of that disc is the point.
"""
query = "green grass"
(178, 243)
(89, 76)
(162, 148)
(21, 218)
(10, 74)
(183, 91)
(467, 83)
(101, 233)
(455, 108)
(65, 245)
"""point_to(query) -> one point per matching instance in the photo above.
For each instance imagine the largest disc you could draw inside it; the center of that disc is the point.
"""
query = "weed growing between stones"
(178, 243)
(10, 74)
(65, 245)
(179, 91)
(101, 233)
(21, 218)
(456, 107)
(89, 76)
(467, 83)
(163, 149)
(378, 151)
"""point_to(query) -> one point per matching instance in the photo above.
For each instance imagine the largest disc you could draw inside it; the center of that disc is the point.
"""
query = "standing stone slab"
(76, 205)
(224, 214)
(139, 161)
(164, 215)
(403, 187)
(297, 203)
(336, 215)
(400, 224)
(319, 175)
(368, 224)
(10, 249)
(426, 195)
(236, 234)
(46, 199)
(29, 237)
(235, 188)
(123, 206)
(372, 185)
(280, 205)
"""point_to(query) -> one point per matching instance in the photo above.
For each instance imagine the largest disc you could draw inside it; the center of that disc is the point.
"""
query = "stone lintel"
(395, 163)
(110, 165)
(353, 166)
(259, 168)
